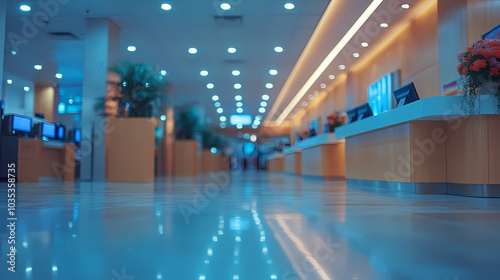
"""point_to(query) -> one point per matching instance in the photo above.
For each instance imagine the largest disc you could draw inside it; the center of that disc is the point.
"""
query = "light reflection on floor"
(249, 226)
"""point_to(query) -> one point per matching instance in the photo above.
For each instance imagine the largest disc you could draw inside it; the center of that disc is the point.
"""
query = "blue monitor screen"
(21, 123)
(60, 132)
(49, 130)
(78, 135)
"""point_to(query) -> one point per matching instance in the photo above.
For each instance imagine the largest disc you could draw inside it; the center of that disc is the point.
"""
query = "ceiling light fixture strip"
(329, 59)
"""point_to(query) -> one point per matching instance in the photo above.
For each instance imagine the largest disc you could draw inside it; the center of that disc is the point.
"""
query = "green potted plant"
(479, 69)
(213, 158)
(186, 160)
(133, 95)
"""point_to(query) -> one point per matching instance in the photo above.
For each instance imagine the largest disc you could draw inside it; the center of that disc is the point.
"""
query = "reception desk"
(321, 156)
(38, 159)
(276, 163)
(429, 146)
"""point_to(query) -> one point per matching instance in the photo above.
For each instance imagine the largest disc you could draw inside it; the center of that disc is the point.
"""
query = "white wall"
(17, 101)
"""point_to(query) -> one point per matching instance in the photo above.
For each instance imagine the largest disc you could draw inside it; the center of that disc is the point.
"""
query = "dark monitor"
(364, 111)
(492, 34)
(406, 95)
(353, 115)
(49, 130)
(61, 132)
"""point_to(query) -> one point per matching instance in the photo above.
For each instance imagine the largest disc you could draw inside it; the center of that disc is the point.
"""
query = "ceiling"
(162, 39)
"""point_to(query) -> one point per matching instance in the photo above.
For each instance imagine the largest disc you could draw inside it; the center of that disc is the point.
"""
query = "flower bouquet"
(479, 68)
(333, 121)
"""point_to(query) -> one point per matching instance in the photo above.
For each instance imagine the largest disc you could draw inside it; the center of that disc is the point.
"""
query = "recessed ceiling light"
(311, 97)
(405, 6)
(9, 81)
(263, 104)
(262, 110)
(237, 86)
(210, 86)
(231, 50)
(304, 104)
(384, 25)
(166, 7)
(222, 119)
(316, 93)
(217, 104)
(273, 72)
(342, 67)
(38, 67)
(269, 85)
(236, 72)
(331, 77)
(59, 75)
(239, 110)
(265, 97)
(323, 85)
(364, 44)
(192, 50)
(215, 97)
(225, 6)
(204, 73)
(239, 126)
(238, 98)
(239, 104)
(289, 6)
(25, 8)
(278, 49)
(163, 118)
(163, 72)
(131, 48)
(222, 125)
(220, 110)
(356, 55)
(258, 117)
(26, 89)
(13, 52)
(254, 126)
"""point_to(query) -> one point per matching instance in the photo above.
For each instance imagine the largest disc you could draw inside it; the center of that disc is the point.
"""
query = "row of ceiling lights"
(224, 6)
(340, 67)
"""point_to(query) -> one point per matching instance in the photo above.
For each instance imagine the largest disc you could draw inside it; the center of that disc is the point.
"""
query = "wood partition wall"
(460, 156)
(37, 160)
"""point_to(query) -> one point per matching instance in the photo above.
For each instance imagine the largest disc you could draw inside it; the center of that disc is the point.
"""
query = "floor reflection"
(249, 226)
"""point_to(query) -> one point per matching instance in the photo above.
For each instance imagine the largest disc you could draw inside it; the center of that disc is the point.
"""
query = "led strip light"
(329, 59)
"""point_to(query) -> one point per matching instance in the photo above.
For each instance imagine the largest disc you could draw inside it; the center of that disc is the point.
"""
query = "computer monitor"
(406, 95)
(17, 125)
(492, 34)
(364, 111)
(75, 135)
(353, 115)
(61, 132)
(49, 130)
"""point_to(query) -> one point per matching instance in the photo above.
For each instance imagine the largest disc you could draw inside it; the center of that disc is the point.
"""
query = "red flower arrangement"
(334, 120)
(480, 66)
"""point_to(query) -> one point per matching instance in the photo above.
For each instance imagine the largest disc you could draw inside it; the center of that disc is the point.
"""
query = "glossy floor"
(253, 226)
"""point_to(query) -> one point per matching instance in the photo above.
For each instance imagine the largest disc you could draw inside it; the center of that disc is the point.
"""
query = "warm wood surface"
(327, 160)
(130, 150)
(186, 158)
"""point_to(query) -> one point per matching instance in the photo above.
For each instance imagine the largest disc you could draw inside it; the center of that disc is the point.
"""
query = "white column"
(3, 13)
(102, 46)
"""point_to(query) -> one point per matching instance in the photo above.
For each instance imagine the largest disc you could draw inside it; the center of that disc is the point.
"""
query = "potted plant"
(186, 147)
(333, 121)
(479, 69)
(209, 156)
(133, 94)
